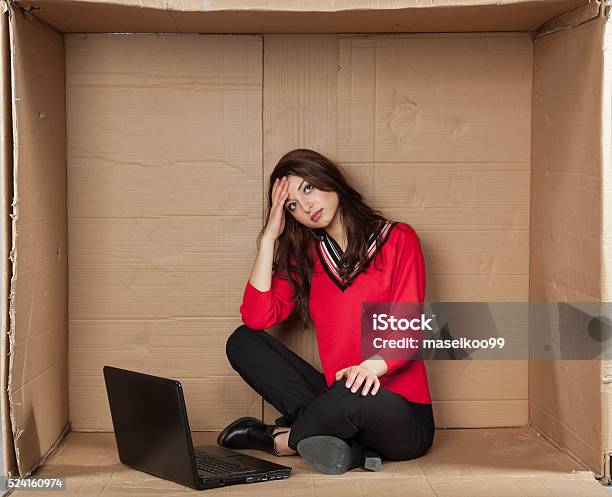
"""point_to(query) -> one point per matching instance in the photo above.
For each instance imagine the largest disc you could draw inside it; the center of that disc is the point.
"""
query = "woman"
(334, 252)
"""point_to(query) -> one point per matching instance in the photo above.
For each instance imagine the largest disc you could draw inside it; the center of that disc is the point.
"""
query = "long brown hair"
(293, 255)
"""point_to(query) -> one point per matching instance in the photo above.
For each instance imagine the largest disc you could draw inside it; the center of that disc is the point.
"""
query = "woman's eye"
(308, 187)
(289, 208)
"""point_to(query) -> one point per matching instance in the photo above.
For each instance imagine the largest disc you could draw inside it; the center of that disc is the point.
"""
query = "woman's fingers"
(284, 192)
(358, 381)
(366, 386)
(376, 387)
(276, 189)
(280, 207)
(356, 377)
(279, 188)
(276, 220)
(352, 374)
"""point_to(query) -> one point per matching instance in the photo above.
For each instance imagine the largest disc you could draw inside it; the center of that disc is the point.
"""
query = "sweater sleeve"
(261, 310)
(408, 280)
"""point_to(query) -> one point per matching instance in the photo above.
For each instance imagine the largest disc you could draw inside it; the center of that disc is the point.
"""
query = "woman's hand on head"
(276, 221)
(359, 377)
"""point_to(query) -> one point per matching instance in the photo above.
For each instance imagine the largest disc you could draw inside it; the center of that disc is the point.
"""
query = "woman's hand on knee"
(359, 375)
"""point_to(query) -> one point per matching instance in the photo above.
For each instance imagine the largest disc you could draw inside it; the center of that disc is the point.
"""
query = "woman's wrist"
(266, 240)
(375, 365)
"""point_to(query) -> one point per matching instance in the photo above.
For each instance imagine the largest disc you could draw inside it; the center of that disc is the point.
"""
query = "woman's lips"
(317, 215)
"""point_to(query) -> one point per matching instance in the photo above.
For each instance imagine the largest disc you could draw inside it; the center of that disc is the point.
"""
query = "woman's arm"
(268, 298)
(261, 274)
(376, 364)
(408, 282)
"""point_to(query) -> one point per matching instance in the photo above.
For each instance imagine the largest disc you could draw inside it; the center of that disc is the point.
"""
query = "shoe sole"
(231, 426)
(330, 455)
(333, 456)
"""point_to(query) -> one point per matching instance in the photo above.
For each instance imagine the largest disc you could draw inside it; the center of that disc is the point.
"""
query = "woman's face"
(304, 202)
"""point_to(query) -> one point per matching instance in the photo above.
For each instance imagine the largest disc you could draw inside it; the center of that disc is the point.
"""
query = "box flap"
(38, 379)
(566, 231)
(606, 250)
(288, 16)
(6, 172)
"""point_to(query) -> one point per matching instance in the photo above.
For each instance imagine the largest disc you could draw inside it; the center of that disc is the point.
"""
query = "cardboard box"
(134, 168)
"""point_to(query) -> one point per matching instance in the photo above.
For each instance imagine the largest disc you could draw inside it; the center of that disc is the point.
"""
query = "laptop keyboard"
(212, 464)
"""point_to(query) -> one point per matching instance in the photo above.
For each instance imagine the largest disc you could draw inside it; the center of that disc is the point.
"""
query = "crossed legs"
(385, 422)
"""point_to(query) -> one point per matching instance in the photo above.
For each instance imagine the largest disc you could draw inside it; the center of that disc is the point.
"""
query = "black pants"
(387, 422)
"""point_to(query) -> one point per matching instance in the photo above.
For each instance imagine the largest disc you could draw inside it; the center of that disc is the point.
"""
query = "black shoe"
(333, 456)
(248, 433)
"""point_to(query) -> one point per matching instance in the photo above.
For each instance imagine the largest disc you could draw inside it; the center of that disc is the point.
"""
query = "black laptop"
(152, 433)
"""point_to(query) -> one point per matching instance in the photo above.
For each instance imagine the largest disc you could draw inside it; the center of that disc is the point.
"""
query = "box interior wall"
(138, 165)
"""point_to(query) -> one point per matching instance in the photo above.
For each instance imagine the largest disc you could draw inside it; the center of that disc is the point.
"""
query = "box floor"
(501, 462)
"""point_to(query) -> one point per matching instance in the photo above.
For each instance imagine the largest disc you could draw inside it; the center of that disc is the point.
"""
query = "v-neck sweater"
(335, 308)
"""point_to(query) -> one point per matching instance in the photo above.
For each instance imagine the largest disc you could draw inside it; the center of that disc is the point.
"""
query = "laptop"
(152, 434)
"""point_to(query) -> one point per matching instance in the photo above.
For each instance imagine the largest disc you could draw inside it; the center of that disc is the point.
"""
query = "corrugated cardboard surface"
(303, 16)
(423, 115)
(167, 169)
(164, 168)
(38, 379)
(606, 252)
(606, 173)
(417, 124)
(511, 462)
(6, 182)
(156, 278)
(566, 238)
(300, 109)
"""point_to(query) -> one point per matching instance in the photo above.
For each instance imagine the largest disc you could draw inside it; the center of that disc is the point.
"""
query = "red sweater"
(335, 309)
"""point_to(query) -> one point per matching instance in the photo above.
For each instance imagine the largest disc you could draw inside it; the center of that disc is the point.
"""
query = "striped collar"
(331, 254)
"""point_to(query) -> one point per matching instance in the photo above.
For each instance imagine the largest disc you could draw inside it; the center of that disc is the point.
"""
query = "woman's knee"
(349, 399)
(338, 402)
(238, 343)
